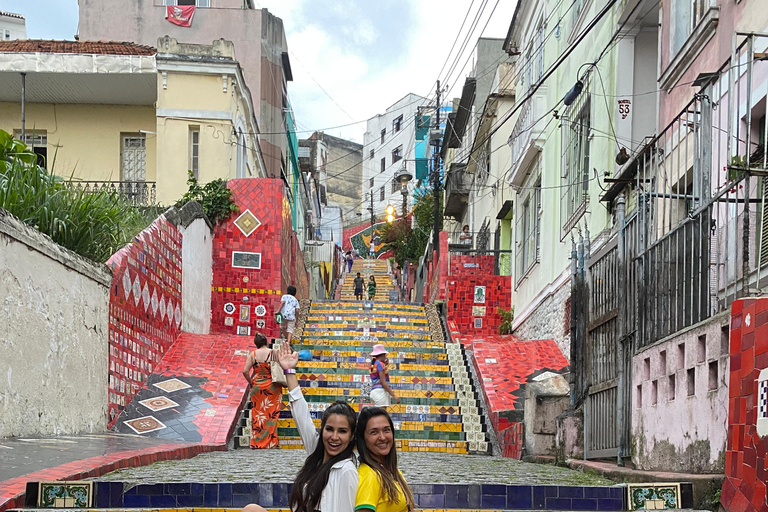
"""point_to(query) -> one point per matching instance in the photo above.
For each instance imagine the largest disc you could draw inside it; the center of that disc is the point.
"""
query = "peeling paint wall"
(53, 336)
(680, 401)
(196, 276)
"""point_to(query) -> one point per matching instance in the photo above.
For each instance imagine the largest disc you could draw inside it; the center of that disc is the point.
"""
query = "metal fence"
(139, 193)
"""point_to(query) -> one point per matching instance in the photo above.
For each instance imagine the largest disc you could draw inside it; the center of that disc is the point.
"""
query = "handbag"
(278, 377)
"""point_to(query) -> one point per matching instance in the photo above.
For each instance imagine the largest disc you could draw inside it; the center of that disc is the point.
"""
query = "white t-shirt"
(290, 303)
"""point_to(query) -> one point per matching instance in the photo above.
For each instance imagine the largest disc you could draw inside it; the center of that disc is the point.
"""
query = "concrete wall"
(85, 139)
(53, 346)
(196, 266)
(682, 429)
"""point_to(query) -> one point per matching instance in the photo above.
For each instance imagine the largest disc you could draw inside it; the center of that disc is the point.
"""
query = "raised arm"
(299, 409)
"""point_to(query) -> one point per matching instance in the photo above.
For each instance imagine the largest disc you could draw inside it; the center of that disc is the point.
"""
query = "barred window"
(575, 176)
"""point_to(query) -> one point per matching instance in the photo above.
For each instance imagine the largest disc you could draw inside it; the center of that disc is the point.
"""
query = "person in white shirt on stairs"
(288, 306)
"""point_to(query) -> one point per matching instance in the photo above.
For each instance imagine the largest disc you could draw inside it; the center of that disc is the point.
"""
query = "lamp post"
(403, 176)
(390, 213)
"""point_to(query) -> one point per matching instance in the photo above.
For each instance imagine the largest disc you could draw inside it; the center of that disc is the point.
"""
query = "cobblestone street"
(419, 468)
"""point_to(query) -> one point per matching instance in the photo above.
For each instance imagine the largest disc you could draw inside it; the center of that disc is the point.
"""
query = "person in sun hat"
(380, 388)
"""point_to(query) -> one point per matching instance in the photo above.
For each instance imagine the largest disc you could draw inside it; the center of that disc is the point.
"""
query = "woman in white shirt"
(328, 480)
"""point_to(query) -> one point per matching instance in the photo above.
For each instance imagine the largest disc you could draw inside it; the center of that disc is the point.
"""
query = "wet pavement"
(20, 456)
(279, 465)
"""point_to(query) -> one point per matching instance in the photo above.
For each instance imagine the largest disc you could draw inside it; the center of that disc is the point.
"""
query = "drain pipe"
(620, 321)
(23, 106)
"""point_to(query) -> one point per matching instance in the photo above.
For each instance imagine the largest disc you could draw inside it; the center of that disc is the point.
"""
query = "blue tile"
(494, 501)
(115, 494)
(190, 501)
(558, 503)
(584, 504)
(456, 496)
(597, 492)
(135, 501)
(211, 495)
(474, 496)
(519, 496)
(163, 501)
(196, 489)
(438, 489)
(280, 495)
(241, 488)
(177, 489)
(617, 492)
(101, 490)
(610, 504)
(431, 500)
(494, 490)
(241, 500)
(422, 489)
(265, 495)
(541, 493)
(225, 495)
(132, 490)
(150, 490)
(570, 491)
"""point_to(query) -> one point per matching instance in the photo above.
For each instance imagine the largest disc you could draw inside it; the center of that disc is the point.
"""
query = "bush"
(94, 225)
(214, 197)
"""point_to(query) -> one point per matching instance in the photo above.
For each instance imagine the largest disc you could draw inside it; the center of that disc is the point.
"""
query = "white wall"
(684, 431)
(53, 336)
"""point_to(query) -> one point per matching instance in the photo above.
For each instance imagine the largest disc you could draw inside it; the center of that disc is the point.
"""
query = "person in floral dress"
(266, 397)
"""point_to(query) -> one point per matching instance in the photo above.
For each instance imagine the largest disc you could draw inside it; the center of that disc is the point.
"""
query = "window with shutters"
(395, 185)
(194, 151)
(397, 124)
(762, 220)
(383, 133)
(383, 164)
(397, 154)
(528, 229)
(575, 170)
(37, 141)
(133, 157)
(381, 194)
(370, 183)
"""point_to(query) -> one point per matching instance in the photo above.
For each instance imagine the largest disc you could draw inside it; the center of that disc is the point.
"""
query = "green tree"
(214, 197)
(406, 242)
(94, 225)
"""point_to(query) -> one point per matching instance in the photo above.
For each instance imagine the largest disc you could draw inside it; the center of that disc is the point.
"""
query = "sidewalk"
(25, 460)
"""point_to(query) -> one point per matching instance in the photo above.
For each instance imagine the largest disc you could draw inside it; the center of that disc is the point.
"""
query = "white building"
(12, 26)
(390, 140)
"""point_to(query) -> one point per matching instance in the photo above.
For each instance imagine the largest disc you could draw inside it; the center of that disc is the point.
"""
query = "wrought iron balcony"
(139, 193)
(457, 186)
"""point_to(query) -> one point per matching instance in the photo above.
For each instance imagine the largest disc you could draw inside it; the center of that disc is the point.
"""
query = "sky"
(351, 59)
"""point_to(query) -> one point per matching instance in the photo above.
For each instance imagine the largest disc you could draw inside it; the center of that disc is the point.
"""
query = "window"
(397, 123)
(37, 141)
(383, 133)
(397, 154)
(7, 35)
(199, 3)
(528, 232)
(242, 154)
(395, 186)
(383, 164)
(194, 151)
(371, 154)
(133, 157)
(686, 15)
(539, 41)
(381, 194)
(575, 177)
(370, 183)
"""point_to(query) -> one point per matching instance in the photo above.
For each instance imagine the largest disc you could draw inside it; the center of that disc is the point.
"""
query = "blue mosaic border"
(477, 496)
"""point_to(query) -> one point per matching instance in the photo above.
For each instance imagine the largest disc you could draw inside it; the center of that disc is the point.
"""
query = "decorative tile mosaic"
(653, 496)
(247, 223)
(144, 309)
(171, 385)
(746, 471)
(67, 494)
(158, 403)
(145, 424)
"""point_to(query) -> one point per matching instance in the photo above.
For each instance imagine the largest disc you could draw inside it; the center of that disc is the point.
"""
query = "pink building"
(260, 48)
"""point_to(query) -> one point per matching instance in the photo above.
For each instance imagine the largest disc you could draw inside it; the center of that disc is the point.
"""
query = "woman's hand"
(286, 357)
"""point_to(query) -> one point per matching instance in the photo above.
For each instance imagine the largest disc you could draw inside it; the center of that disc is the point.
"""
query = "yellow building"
(132, 117)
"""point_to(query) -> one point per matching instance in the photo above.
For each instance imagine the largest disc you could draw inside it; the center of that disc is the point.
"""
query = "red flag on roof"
(180, 15)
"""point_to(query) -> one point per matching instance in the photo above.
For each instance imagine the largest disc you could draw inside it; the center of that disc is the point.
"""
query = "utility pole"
(436, 186)
(372, 216)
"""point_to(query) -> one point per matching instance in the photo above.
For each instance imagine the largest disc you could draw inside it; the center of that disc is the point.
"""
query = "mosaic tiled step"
(399, 434)
(401, 367)
(350, 383)
(357, 371)
(353, 351)
(396, 416)
(328, 308)
(333, 395)
(337, 342)
(356, 379)
(436, 426)
(406, 445)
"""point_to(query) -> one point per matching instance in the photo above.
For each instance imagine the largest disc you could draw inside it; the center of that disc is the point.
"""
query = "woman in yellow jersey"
(382, 486)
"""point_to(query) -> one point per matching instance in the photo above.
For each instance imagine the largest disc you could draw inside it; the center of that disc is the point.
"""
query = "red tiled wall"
(746, 457)
(281, 260)
(143, 325)
(504, 365)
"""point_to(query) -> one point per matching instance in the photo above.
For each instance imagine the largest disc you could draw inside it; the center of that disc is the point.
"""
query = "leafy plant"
(214, 197)
(92, 224)
(406, 242)
(507, 316)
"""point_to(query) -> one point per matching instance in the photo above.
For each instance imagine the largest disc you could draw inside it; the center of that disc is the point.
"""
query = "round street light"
(403, 176)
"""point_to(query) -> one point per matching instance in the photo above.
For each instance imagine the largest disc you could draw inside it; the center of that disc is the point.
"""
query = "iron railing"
(139, 193)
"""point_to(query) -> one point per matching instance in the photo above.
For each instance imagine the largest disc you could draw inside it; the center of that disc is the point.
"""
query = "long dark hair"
(313, 477)
(389, 476)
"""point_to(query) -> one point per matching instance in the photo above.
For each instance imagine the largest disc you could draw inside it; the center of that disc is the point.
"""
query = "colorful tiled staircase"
(438, 408)
(377, 268)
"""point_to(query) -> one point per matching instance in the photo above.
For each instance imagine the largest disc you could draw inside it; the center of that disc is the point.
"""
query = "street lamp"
(403, 176)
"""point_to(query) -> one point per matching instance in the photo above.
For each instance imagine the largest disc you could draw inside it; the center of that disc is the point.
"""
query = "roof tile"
(84, 47)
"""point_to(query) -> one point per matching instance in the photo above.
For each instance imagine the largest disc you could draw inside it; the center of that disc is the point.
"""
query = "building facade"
(12, 26)
(132, 117)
